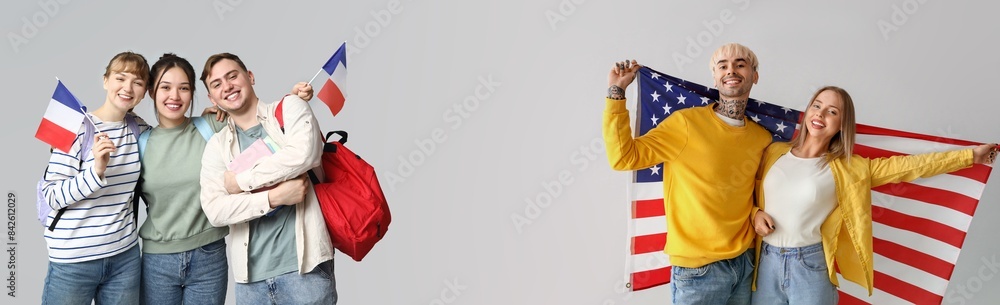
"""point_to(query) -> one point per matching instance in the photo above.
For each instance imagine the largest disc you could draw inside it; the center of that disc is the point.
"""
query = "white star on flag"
(755, 119)
(704, 100)
(670, 88)
(910, 237)
(655, 75)
(655, 169)
(666, 109)
(656, 96)
(680, 99)
(654, 120)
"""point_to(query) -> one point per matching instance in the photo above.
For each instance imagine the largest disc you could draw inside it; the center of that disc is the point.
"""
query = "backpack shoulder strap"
(279, 114)
(203, 127)
(86, 142)
(143, 138)
(133, 125)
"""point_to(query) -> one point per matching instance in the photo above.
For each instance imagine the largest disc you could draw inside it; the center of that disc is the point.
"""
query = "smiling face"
(230, 86)
(173, 94)
(125, 80)
(823, 117)
(124, 90)
(828, 121)
(734, 77)
(734, 70)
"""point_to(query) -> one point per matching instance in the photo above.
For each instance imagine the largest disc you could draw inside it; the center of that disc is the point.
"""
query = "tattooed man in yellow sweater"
(710, 156)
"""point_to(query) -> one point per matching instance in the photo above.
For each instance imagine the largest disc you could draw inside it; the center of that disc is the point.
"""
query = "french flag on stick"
(62, 119)
(332, 93)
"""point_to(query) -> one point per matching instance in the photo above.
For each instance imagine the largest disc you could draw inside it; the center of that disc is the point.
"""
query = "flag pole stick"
(314, 76)
(85, 115)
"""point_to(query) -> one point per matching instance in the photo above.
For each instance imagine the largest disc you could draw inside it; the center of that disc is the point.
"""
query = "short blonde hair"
(736, 49)
(842, 144)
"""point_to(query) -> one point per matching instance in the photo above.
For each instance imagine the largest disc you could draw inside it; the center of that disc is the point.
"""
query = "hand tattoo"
(616, 93)
(734, 109)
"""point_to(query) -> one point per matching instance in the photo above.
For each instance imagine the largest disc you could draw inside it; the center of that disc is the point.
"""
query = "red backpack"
(351, 198)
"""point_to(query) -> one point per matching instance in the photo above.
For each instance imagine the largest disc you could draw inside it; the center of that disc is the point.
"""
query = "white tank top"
(799, 195)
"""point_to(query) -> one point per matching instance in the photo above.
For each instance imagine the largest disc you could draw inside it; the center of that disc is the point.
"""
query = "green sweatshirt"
(171, 167)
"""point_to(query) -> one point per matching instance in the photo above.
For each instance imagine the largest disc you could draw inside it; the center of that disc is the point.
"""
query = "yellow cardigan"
(847, 232)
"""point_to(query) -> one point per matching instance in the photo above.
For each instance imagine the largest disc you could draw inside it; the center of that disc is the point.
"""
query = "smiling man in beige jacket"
(280, 255)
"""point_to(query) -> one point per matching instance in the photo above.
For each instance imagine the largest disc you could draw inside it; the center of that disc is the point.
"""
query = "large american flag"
(919, 227)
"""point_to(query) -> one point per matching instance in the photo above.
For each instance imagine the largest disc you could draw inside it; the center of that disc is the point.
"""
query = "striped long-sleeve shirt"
(98, 221)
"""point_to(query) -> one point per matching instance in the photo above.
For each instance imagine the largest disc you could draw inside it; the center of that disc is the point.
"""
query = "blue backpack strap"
(143, 138)
(203, 127)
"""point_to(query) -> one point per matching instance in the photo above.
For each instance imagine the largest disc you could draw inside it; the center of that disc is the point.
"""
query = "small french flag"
(61, 120)
(332, 93)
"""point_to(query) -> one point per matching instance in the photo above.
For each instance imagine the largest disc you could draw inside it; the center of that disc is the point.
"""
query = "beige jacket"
(300, 151)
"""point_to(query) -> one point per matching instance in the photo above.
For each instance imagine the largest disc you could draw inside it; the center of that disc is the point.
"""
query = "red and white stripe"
(332, 93)
(61, 120)
(919, 227)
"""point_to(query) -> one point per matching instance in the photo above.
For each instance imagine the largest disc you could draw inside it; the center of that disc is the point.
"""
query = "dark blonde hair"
(842, 144)
(128, 62)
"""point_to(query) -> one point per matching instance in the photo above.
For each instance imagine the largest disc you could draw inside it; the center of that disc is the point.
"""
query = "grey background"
(935, 73)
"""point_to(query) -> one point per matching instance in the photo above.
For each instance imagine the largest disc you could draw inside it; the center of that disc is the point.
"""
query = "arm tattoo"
(616, 93)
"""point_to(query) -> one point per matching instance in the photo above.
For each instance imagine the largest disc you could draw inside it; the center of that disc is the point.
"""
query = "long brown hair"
(842, 144)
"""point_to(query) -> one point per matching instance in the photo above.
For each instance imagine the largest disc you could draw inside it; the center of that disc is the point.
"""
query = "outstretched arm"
(907, 168)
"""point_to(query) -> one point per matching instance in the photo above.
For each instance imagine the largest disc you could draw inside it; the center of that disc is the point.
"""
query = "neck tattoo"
(733, 109)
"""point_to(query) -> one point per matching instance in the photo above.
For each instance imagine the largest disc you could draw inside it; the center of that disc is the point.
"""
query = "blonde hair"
(842, 144)
(736, 49)
(128, 62)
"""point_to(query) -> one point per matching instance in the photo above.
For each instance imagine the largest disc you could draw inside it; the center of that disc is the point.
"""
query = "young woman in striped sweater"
(93, 253)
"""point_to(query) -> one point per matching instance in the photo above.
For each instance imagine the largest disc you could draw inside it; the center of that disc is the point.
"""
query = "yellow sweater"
(847, 232)
(708, 173)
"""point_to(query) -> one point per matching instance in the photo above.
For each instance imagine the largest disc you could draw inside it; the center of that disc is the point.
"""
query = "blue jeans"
(198, 276)
(794, 276)
(316, 287)
(110, 280)
(721, 282)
